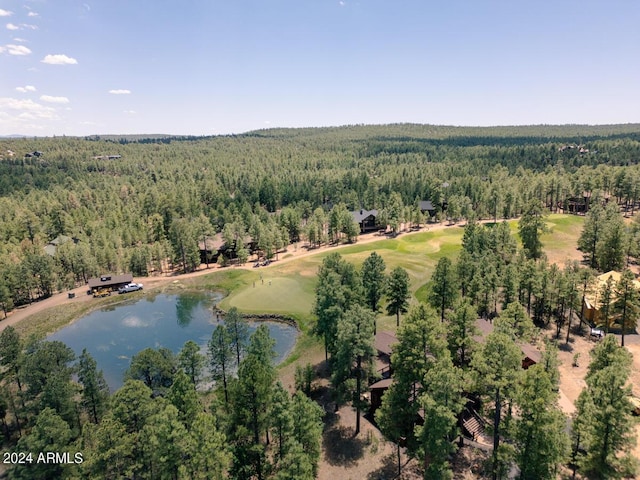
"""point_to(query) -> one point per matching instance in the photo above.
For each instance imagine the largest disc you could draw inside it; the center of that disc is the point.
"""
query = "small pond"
(113, 335)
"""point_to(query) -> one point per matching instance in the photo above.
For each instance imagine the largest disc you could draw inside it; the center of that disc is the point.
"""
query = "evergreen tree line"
(147, 210)
(165, 421)
(440, 367)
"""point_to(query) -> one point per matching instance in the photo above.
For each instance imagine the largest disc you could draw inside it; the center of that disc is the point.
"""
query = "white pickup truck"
(130, 287)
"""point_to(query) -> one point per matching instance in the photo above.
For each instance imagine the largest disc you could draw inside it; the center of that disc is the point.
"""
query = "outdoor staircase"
(473, 427)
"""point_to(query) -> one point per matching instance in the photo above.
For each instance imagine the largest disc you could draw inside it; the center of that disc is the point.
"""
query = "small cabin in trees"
(530, 354)
(210, 248)
(51, 247)
(383, 343)
(215, 246)
(426, 206)
(366, 219)
(593, 298)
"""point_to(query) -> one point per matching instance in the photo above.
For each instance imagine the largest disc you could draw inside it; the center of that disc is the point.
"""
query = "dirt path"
(294, 252)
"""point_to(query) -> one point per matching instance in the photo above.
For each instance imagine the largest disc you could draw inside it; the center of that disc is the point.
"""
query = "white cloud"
(30, 27)
(130, 112)
(120, 92)
(21, 40)
(18, 50)
(11, 26)
(32, 14)
(5, 13)
(59, 60)
(50, 99)
(29, 108)
(27, 88)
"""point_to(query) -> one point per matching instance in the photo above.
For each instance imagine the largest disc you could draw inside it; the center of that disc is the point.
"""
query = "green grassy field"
(288, 288)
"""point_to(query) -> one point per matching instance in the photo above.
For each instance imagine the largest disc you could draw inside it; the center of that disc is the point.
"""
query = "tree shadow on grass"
(565, 347)
(388, 470)
(341, 447)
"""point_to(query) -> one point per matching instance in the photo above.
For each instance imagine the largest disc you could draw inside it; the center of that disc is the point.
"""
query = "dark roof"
(360, 215)
(50, 248)
(213, 243)
(426, 205)
(110, 280)
(528, 350)
(384, 342)
(382, 384)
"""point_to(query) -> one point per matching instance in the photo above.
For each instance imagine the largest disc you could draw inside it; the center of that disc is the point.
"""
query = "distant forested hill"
(131, 201)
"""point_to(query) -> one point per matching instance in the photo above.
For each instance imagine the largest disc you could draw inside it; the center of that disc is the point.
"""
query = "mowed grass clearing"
(291, 291)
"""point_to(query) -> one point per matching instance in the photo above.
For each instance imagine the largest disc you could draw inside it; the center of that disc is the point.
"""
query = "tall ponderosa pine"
(191, 361)
(398, 293)
(539, 429)
(95, 391)
(353, 362)
(250, 399)
(627, 303)
(237, 331)
(442, 402)
(339, 287)
(603, 431)
(443, 287)
(461, 332)
(221, 357)
(531, 227)
(611, 246)
(591, 233)
(497, 366)
(373, 280)
(11, 356)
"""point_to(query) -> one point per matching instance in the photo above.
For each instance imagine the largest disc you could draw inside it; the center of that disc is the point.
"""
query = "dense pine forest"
(131, 203)
(115, 204)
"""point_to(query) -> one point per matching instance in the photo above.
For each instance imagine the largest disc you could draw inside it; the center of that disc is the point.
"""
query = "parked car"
(102, 292)
(130, 287)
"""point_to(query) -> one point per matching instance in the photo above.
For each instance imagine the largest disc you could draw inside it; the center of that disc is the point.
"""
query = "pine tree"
(444, 287)
(627, 303)
(207, 451)
(221, 357)
(95, 391)
(397, 293)
(531, 227)
(354, 356)
(461, 332)
(184, 397)
(497, 366)
(434, 444)
(238, 332)
(307, 428)
(191, 361)
(373, 280)
(539, 430)
(604, 426)
(612, 242)
(339, 287)
(591, 232)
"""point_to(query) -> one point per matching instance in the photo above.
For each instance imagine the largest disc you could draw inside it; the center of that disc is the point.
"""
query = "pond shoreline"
(112, 333)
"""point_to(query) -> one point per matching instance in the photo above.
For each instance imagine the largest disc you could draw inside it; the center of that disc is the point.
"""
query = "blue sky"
(206, 67)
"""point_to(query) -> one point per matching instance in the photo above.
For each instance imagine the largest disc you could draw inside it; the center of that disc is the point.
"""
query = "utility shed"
(112, 282)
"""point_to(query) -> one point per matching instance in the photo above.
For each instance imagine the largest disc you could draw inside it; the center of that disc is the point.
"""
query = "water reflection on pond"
(113, 335)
